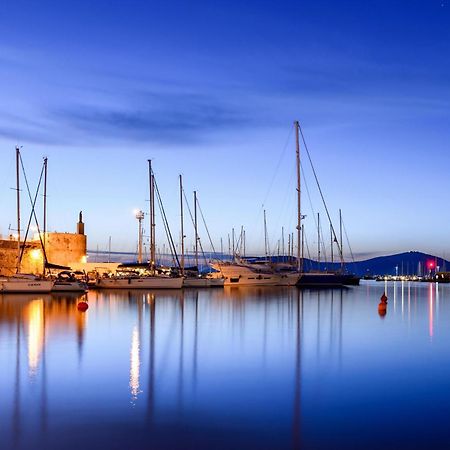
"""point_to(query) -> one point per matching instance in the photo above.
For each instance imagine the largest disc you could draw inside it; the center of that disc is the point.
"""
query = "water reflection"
(135, 364)
(277, 368)
(35, 312)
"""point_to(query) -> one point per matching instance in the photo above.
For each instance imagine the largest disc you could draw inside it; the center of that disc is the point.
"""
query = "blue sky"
(210, 90)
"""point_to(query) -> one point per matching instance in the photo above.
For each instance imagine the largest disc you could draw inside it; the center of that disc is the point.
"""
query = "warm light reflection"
(35, 333)
(134, 364)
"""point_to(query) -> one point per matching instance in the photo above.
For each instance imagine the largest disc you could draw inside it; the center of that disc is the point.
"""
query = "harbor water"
(233, 368)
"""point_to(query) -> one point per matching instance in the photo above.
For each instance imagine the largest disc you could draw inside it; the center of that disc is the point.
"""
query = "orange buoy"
(384, 298)
(82, 306)
(382, 308)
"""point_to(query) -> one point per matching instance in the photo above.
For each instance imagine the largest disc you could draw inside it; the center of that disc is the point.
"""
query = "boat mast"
(196, 229)
(232, 238)
(152, 214)
(299, 216)
(139, 217)
(265, 235)
(303, 241)
(182, 226)
(45, 201)
(18, 206)
(332, 242)
(318, 239)
(340, 240)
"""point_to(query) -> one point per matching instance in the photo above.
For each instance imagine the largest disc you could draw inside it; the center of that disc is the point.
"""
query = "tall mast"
(340, 240)
(289, 247)
(18, 206)
(45, 201)
(299, 216)
(152, 214)
(244, 242)
(332, 242)
(232, 238)
(182, 226)
(196, 229)
(318, 239)
(265, 234)
(140, 216)
(303, 241)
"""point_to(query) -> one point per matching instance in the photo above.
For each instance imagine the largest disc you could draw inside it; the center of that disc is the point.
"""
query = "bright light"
(35, 254)
(430, 264)
(84, 259)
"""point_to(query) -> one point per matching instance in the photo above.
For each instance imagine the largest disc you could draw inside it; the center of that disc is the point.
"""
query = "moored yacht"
(23, 283)
(242, 274)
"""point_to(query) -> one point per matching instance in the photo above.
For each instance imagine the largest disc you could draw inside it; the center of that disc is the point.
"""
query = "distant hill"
(409, 263)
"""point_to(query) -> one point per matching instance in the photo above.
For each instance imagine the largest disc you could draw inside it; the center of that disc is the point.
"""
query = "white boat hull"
(203, 282)
(140, 283)
(241, 275)
(69, 286)
(10, 285)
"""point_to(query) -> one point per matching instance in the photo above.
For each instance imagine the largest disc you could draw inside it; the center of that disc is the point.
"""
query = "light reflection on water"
(234, 368)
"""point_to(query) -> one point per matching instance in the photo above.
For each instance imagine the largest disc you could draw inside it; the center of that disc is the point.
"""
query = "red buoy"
(384, 298)
(82, 306)
(382, 308)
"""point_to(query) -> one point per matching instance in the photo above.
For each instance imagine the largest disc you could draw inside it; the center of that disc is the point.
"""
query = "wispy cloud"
(152, 116)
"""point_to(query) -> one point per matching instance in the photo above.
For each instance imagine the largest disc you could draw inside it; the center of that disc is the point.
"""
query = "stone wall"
(64, 249)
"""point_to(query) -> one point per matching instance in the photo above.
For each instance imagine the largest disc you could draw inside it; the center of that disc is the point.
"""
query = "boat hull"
(140, 283)
(289, 279)
(19, 286)
(240, 275)
(69, 286)
(203, 282)
(320, 280)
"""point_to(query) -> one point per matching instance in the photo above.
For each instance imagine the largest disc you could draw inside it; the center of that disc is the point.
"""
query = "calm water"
(227, 369)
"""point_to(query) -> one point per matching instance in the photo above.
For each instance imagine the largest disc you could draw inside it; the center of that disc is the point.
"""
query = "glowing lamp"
(430, 264)
(35, 254)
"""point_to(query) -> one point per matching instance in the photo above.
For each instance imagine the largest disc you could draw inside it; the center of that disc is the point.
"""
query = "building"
(64, 249)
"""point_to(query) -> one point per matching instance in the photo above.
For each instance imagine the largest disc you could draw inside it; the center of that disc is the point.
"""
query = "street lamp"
(140, 217)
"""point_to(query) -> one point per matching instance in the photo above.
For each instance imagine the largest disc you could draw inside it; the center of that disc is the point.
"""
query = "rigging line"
(307, 250)
(309, 198)
(291, 128)
(320, 189)
(166, 224)
(33, 211)
(206, 227)
(193, 223)
(324, 249)
(348, 242)
(171, 248)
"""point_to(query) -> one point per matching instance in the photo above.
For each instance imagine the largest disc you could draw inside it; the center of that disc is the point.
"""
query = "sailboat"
(22, 283)
(143, 275)
(318, 278)
(191, 275)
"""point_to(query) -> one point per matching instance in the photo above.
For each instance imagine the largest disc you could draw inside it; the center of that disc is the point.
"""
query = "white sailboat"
(191, 276)
(22, 283)
(238, 273)
(148, 277)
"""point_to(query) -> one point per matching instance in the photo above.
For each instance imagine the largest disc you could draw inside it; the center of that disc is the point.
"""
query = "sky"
(210, 90)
